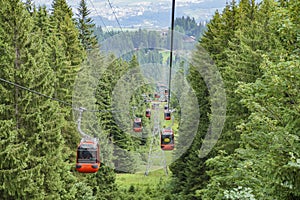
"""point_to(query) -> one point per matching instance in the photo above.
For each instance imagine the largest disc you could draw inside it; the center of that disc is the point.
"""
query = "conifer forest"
(225, 125)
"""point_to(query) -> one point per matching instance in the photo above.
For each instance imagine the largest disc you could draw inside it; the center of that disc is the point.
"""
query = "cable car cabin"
(166, 92)
(137, 125)
(167, 139)
(148, 113)
(166, 107)
(167, 115)
(88, 156)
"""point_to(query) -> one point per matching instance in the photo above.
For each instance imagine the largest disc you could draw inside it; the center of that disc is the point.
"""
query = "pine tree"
(86, 26)
(287, 22)
(243, 177)
(67, 32)
(188, 169)
(215, 41)
(212, 39)
(270, 119)
(65, 58)
(104, 101)
(268, 139)
(40, 171)
(103, 184)
(243, 59)
(188, 26)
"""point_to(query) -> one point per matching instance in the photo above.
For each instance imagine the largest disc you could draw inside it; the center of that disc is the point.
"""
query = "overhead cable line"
(35, 92)
(115, 15)
(53, 98)
(99, 16)
(171, 50)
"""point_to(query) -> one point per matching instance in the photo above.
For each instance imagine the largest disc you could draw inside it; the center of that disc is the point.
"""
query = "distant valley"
(155, 15)
(145, 13)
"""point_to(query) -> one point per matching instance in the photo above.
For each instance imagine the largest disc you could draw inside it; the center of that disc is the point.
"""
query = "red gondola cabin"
(88, 156)
(167, 139)
(137, 125)
(167, 115)
(166, 107)
(166, 92)
(148, 113)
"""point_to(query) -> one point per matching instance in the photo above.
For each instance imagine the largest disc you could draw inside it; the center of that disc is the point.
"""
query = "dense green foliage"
(41, 51)
(85, 26)
(32, 145)
(189, 27)
(255, 47)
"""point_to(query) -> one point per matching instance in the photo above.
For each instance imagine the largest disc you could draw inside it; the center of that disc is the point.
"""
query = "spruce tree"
(242, 173)
(210, 39)
(269, 135)
(67, 32)
(40, 171)
(65, 58)
(86, 27)
(188, 169)
(122, 141)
